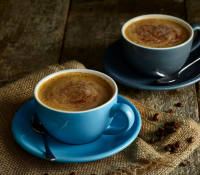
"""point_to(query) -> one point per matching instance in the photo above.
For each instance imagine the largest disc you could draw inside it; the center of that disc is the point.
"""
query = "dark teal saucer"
(116, 66)
(104, 146)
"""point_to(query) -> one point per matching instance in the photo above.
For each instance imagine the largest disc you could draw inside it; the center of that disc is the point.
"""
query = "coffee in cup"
(157, 32)
(75, 91)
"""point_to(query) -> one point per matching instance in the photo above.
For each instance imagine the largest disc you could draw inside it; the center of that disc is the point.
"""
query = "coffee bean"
(161, 138)
(170, 145)
(178, 144)
(175, 150)
(170, 111)
(191, 139)
(73, 173)
(165, 133)
(168, 127)
(173, 147)
(179, 104)
(157, 133)
(172, 130)
(171, 123)
(161, 129)
(156, 117)
(167, 123)
(153, 140)
(140, 136)
(167, 148)
(93, 174)
(176, 125)
(46, 174)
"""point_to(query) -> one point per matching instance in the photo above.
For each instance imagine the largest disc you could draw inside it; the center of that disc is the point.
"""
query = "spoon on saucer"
(38, 127)
(175, 76)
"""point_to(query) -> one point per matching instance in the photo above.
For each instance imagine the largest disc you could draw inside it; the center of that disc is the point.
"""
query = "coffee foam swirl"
(158, 34)
(75, 92)
(155, 32)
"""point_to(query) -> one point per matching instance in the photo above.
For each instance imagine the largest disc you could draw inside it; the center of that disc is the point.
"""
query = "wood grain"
(31, 35)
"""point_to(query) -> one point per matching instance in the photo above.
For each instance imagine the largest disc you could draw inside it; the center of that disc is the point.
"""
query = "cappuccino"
(75, 91)
(156, 33)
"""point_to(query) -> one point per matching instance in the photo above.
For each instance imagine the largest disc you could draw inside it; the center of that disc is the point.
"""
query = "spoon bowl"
(175, 76)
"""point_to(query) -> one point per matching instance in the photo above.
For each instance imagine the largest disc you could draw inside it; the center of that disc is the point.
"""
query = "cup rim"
(97, 73)
(161, 16)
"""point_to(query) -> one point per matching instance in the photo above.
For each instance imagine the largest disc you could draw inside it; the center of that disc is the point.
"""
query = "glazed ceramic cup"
(159, 62)
(83, 126)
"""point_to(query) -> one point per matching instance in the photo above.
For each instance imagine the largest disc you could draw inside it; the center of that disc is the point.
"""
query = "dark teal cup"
(79, 127)
(159, 62)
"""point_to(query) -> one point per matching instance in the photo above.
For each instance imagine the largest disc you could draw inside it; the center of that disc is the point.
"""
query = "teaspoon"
(38, 127)
(175, 76)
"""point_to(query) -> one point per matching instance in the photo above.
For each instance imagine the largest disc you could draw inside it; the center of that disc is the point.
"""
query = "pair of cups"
(159, 62)
(86, 126)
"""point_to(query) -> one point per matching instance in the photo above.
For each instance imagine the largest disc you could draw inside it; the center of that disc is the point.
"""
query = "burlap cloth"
(140, 157)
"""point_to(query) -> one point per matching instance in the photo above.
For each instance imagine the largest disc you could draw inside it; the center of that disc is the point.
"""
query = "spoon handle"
(188, 66)
(49, 154)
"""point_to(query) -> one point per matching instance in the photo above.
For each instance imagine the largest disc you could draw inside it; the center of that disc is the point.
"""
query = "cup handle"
(196, 41)
(130, 117)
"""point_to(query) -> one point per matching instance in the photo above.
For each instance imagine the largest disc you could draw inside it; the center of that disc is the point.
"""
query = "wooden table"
(35, 34)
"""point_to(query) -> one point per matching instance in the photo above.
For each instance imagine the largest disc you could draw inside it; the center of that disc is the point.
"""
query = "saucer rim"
(116, 77)
(94, 157)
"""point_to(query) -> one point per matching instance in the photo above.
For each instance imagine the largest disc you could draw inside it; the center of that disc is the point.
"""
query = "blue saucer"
(104, 146)
(116, 66)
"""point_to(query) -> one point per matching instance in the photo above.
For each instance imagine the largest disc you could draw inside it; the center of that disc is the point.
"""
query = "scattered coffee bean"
(170, 111)
(176, 125)
(140, 136)
(179, 104)
(73, 173)
(93, 174)
(165, 133)
(157, 133)
(171, 123)
(167, 148)
(174, 151)
(168, 127)
(46, 174)
(178, 144)
(173, 147)
(153, 140)
(161, 129)
(172, 130)
(156, 117)
(170, 145)
(161, 138)
(191, 139)
(167, 123)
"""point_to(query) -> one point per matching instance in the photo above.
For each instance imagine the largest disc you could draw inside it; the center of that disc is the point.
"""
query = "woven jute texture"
(140, 157)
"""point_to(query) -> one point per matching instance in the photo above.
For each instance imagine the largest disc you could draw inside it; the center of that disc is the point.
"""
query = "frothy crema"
(156, 33)
(75, 91)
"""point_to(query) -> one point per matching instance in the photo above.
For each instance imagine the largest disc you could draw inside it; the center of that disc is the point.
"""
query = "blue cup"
(159, 62)
(81, 127)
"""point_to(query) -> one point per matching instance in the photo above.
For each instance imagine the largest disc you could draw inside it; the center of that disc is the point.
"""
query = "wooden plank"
(93, 25)
(193, 16)
(31, 35)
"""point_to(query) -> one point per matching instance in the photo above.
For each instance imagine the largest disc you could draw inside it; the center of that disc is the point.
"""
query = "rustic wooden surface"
(31, 35)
